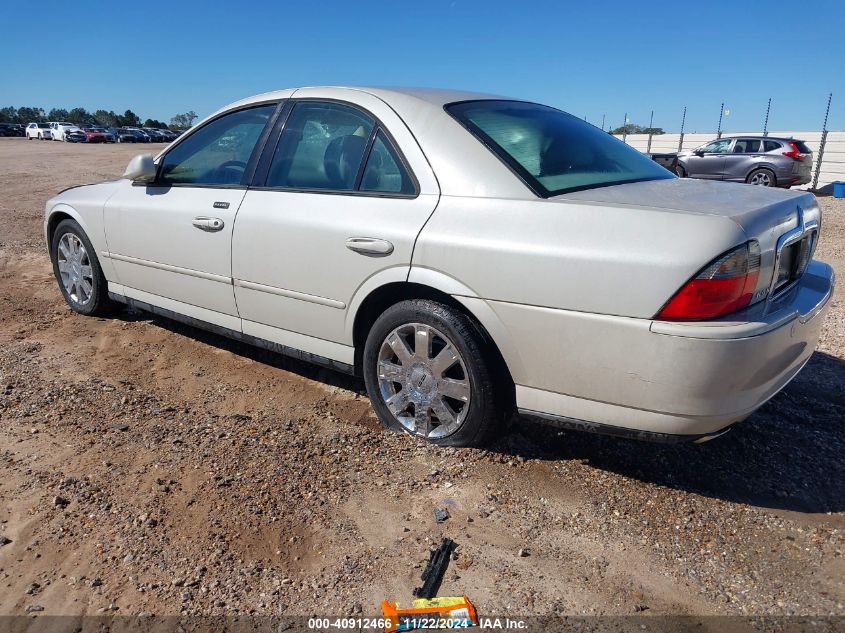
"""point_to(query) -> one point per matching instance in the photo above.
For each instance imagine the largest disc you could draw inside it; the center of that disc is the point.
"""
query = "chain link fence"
(828, 146)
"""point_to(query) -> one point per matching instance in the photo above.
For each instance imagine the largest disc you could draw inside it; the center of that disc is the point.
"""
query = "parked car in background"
(625, 300)
(41, 131)
(757, 160)
(156, 135)
(11, 129)
(75, 136)
(139, 134)
(169, 135)
(114, 133)
(59, 130)
(95, 135)
(125, 135)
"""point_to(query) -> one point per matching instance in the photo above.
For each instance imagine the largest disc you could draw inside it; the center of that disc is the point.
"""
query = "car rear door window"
(322, 146)
(746, 146)
(384, 171)
(219, 151)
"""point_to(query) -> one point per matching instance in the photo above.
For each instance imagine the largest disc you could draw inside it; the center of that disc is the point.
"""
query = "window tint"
(717, 147)
(746, 146)
(552, 151)
(384, 171)
(218, 152)
(321, 147)
(770, 146)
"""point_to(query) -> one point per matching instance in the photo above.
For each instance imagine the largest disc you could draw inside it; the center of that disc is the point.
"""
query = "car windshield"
(552, 151)
(44, 125)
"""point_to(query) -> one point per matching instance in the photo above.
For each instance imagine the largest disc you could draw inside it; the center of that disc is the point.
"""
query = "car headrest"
(566, 154)
(341, 160)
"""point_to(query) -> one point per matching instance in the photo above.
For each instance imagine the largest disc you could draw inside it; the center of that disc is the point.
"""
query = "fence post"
(650, 132)
(820, 156)
(648, 147)
(683, 120)
(766, 122)
(625, 128)
(721, 111)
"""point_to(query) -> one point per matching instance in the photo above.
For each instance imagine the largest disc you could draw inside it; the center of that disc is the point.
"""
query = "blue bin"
(839, 190)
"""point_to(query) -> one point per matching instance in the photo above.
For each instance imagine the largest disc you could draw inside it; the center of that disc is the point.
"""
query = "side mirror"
(141, 168)
(699, 152)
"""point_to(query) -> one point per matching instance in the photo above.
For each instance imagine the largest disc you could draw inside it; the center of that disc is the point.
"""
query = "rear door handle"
(207, 224)
(369, 246)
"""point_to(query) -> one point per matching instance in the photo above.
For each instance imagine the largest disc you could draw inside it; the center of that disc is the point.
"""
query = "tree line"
(105, 118)
(633, 128)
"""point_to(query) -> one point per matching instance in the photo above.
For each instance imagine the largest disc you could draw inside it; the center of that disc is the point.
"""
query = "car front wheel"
(428, 373)
(78, 270)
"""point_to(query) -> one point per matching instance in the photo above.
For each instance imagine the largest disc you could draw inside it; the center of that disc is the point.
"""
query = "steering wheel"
(238, 168)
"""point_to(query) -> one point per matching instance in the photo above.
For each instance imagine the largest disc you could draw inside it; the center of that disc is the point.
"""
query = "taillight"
(795, 152)
(724, 286)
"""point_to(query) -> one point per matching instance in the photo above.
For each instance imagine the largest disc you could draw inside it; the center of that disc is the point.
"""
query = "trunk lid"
(780, 220)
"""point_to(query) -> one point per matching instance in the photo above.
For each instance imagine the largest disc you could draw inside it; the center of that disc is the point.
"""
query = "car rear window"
(802, 147)
(551, 151)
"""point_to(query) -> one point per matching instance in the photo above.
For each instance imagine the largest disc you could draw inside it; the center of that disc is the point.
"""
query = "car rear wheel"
(78, 270)
(762, 177)
(427, 373)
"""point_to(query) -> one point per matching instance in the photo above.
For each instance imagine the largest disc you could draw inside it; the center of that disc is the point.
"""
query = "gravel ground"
(147, 467)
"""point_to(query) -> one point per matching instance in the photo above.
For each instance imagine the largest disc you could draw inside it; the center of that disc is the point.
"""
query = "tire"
(91, 298)
(762, 177)
(472, 411)
(680, 171)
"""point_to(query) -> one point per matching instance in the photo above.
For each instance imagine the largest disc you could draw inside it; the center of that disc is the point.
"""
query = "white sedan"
(470, 256)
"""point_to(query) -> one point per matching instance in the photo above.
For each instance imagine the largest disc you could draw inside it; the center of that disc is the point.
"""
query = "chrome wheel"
(423, 380)
(761, 178)
(75, 269)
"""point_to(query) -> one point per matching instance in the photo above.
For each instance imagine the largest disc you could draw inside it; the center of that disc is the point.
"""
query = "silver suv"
(757, 160)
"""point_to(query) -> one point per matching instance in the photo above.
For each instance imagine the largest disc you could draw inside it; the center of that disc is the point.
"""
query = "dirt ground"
(147, 467)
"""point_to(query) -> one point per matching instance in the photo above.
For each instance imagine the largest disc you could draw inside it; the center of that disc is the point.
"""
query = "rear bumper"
(790, 178)
(679, 380)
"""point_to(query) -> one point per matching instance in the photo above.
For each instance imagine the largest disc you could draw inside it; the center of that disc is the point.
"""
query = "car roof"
(762, 138)
(434, 96)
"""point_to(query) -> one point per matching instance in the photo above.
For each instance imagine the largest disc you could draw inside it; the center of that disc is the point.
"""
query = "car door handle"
(207, 224)
(369, 246)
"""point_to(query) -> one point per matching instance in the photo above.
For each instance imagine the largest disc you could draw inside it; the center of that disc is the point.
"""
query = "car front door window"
(717, 147)
(218, 153)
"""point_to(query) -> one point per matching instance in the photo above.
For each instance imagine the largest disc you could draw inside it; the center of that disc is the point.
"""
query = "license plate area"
(793, 260)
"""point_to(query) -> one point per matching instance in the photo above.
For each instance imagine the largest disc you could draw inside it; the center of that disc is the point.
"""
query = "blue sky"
(589, 58)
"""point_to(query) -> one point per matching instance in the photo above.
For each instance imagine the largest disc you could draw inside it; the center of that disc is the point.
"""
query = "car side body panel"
(85, 204)
(579, 256)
